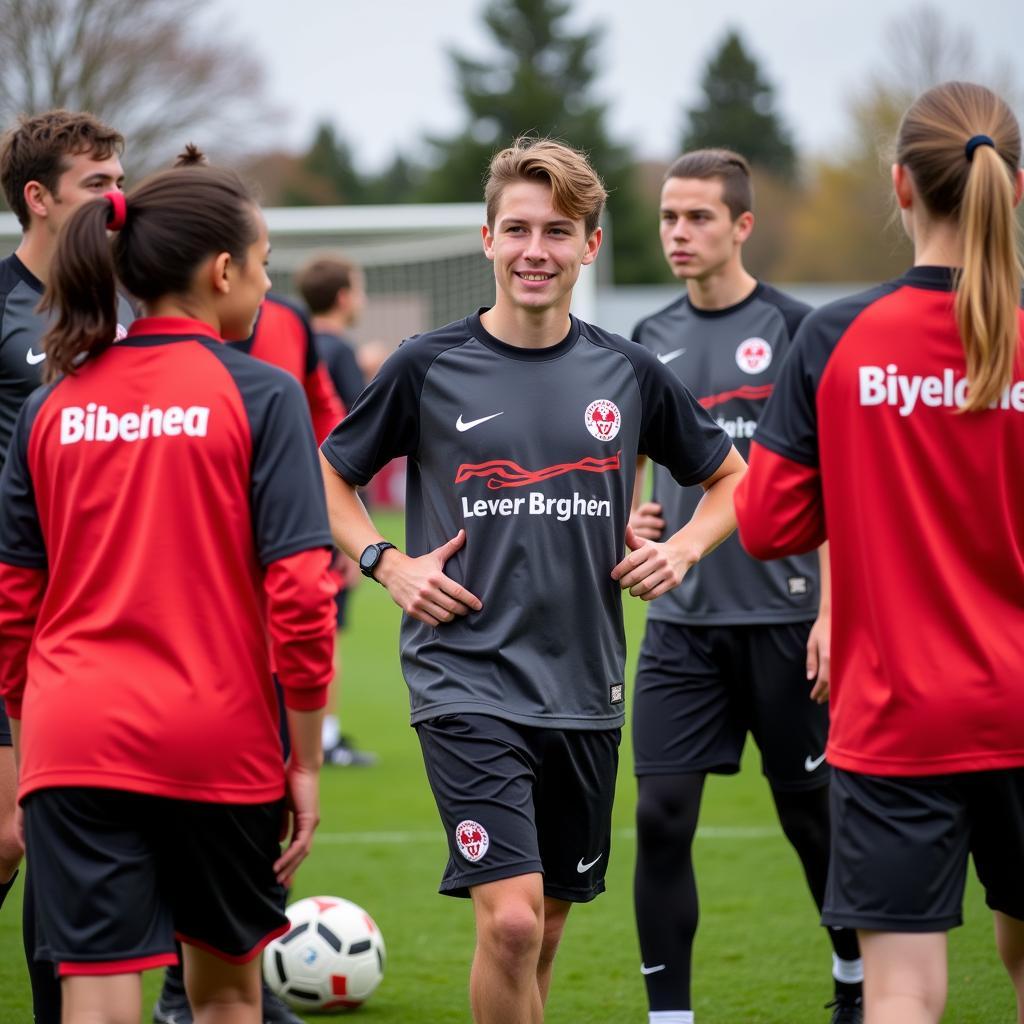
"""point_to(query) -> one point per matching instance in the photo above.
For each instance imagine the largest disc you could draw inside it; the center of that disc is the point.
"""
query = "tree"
(738, 111)
(846, 228)
(539, 81)
(148, 68)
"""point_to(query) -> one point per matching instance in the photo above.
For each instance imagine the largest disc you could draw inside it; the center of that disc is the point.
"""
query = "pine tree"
(539, 81)
(738, 111)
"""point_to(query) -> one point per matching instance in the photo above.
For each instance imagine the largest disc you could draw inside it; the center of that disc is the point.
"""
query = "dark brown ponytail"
(175, 220)
(82, 291)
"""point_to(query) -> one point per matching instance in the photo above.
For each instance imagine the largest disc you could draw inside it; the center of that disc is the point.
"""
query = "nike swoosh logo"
(667, 357)
(810, 763)
(32, 359)
(644, 969)
(581, 867)
(461, 425)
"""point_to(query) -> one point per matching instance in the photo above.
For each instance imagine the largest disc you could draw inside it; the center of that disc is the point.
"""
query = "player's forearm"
(638, 483)
(714, 518)
(825, 585)
(351, 525)
(305, 728)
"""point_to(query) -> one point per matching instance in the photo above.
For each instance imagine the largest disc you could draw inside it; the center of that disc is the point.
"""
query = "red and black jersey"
(864, 443)
(284, 337)
(161, 511)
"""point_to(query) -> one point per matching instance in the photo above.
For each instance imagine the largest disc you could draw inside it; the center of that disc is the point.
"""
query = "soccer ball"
(332, 957)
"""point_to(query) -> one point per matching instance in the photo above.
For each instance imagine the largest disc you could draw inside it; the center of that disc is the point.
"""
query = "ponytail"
(169, 225)
(989, 287)
(82, 291)
(962, 146)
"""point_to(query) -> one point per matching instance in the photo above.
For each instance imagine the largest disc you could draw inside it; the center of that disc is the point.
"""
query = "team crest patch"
(754, 355)
(472, 840)
(603, 419)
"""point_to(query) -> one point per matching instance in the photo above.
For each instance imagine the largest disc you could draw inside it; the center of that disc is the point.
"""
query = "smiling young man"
(522, 426)
(735, 648)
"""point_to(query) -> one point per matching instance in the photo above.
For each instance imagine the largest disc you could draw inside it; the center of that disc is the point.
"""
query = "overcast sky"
(379, 70)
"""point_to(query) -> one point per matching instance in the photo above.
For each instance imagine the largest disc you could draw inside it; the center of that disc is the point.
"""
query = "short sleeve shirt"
(730, 359)
(533, 453)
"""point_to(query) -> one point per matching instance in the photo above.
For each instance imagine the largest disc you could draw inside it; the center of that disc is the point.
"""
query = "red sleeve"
(324, 404)
(779, 509)
(301, 619)
(21, 595)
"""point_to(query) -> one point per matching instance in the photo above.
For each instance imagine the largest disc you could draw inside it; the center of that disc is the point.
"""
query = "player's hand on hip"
(303, 796)
(650, 569)
(420, 587)
(646, 521)
(819, 657)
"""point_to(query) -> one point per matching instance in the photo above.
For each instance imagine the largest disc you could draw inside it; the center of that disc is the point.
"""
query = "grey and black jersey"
(729, 359)
(21, 331)
(533, 453)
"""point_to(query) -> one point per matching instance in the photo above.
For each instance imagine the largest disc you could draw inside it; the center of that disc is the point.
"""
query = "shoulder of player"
(832, 320)
(644, 362)
(791, 308)
(418, 352)
(251, 374)
(670, 312)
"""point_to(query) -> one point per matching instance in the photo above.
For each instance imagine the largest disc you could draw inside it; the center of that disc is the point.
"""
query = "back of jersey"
(153, 486)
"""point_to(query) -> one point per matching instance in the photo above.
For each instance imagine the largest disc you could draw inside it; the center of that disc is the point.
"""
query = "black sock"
(850, 990)
(664, 887)
(6, 887)
(804, 816)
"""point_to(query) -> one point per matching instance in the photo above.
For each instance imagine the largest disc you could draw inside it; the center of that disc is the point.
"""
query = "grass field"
(760, 956)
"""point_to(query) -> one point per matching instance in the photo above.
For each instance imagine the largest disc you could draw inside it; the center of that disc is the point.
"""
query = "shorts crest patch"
(472, 840)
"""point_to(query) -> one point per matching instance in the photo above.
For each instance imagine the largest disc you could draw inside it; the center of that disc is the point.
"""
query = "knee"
(514, 931)
(663, 823)
(10, 849)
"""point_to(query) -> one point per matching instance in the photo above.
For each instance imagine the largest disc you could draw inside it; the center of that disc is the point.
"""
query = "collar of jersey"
(939, 279)
(26, 275)
(710, 314)
(477, 329)
(172, 326)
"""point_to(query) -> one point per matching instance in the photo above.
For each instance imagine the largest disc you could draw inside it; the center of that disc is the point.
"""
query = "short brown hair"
(320, 280)
(731, 169)
(576, 189)
(37, 148)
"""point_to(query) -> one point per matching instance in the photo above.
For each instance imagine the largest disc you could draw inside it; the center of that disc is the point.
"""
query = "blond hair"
(975, 188)
(576, 189)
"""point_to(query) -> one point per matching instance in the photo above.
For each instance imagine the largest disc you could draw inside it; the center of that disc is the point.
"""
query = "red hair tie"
(118, 210)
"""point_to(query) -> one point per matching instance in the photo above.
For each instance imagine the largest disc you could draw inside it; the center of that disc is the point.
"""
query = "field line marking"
(716, 832)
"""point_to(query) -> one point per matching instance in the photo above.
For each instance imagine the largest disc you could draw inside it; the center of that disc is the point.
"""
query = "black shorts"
(119, 875)
(900, 846)
(340, 608)
(515, 799)
(5, 727)
(700, 689)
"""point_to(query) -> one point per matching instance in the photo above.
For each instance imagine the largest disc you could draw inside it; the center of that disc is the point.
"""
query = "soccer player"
(335, 294)
(897, 430)
(140, 722)
(522, 425)
(50, 164)
(735, 648)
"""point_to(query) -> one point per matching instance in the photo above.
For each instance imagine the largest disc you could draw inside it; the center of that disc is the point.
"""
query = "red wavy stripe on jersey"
(753, 392)
(506, 473)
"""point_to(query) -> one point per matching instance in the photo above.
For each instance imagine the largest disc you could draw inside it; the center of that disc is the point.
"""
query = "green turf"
(760, 956)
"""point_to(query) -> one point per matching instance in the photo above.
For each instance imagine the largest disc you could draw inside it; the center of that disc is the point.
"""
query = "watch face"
(368, 559)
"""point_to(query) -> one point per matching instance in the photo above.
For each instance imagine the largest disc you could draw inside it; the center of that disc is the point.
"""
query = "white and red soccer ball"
(331, 959)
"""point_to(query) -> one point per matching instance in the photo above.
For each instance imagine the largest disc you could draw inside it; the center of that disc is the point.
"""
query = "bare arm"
(653, 568)
(819, 643)
(417, 585)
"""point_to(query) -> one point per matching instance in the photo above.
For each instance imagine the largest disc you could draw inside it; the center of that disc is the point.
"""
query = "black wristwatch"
(370, 558)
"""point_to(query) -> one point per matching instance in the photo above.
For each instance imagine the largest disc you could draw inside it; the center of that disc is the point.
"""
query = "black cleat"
(846, 1009)
(275, 1011)
(172, 1008)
